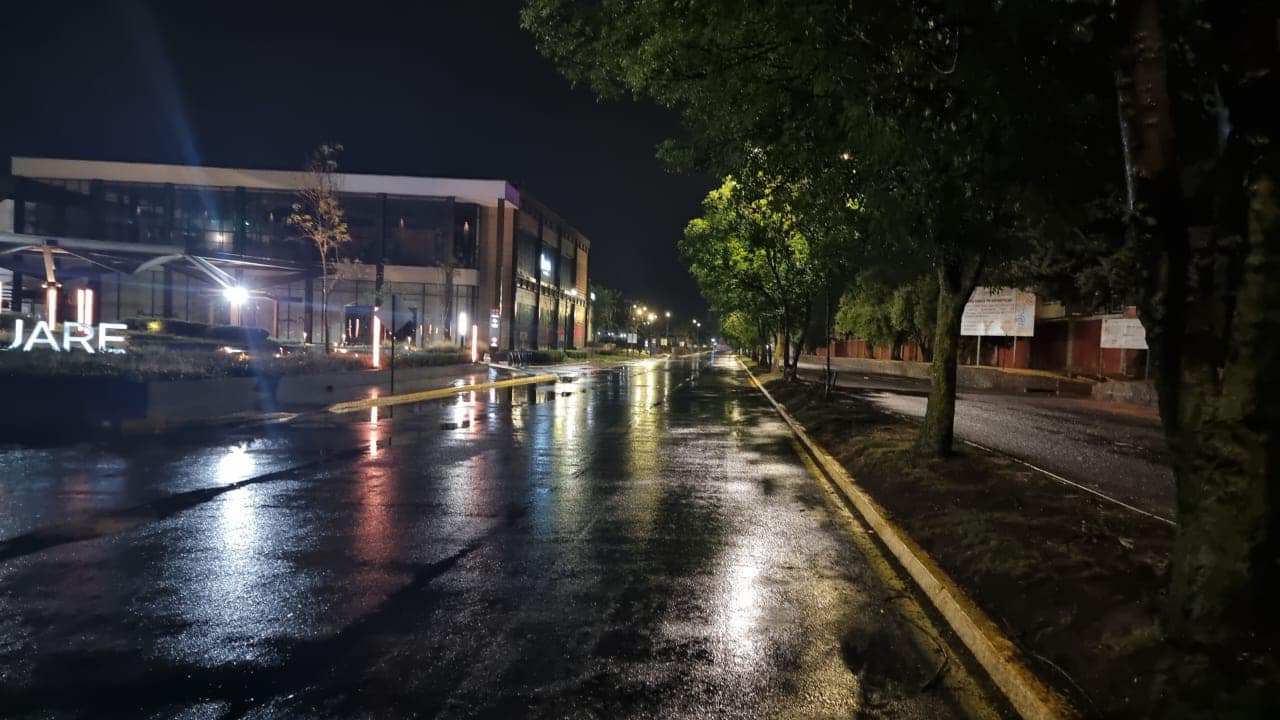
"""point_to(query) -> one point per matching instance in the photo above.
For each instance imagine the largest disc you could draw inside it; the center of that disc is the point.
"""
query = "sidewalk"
(1137, 393)
(1013, 382)
(1115, 449)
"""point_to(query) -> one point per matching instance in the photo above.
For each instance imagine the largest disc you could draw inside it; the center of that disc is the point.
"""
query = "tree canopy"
(1097, 149)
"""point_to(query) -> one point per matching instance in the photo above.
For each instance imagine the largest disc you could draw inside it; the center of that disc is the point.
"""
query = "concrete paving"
(642, 542)
(1117, 450)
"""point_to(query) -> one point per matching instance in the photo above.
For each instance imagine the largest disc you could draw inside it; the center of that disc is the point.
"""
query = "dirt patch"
(1074, 581)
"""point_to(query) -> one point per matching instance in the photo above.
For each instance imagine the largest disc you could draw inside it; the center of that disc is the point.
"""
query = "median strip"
(997, 655)
(435, 393)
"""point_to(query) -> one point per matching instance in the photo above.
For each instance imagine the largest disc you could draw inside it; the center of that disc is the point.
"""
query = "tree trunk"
(1220, 420)
(1212, 313)
(954, 287)
(780, 351)
(324, 310)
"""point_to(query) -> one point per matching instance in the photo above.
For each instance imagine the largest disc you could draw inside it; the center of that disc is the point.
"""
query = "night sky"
(422, 88)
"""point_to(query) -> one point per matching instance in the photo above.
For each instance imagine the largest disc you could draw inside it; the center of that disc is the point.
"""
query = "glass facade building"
(454, 252)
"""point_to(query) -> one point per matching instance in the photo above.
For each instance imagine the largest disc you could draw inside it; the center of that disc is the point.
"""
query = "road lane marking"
(1030, 697)
(436, 393)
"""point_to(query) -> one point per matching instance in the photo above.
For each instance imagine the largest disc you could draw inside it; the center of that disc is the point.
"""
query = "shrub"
(546, 357)
(252, 337)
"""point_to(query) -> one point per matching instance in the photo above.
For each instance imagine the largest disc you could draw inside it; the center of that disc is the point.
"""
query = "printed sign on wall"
(1000, 312)
(1124, 333)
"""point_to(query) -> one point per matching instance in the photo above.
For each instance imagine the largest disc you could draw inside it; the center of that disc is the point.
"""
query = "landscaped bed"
(1074, 581)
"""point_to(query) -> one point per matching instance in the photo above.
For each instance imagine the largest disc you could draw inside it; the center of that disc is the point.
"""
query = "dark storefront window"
(526, 254)
(56, 207)
(418, 232)
(267, 230)
(466, 230)
(568, 264)
(204, 219)
(526, 239)
(363, 214)
(134, 213)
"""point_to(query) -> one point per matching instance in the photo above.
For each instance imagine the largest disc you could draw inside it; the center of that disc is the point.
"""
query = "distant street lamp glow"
(376, 340)
(475, 343)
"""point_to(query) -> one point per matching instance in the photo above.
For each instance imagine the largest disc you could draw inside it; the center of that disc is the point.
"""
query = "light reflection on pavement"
(639, 542)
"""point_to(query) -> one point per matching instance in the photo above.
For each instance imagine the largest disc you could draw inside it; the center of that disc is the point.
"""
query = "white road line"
(1074, 484)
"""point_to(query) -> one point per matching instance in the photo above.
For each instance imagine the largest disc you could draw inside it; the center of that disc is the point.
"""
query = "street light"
(236, 295)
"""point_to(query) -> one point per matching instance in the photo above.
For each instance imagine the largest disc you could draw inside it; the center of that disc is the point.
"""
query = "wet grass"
(1075, 582)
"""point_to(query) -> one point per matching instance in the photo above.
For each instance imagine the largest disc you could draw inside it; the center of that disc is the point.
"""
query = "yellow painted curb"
(435, 393)
(1001, 659)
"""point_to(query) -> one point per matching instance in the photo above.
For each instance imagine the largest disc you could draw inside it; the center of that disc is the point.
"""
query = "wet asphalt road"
(1121, 454)
(642, 542)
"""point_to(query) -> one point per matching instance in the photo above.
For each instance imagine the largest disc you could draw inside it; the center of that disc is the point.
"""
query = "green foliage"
(751, 255)
(546, 357)
(887, 316)
(738, 329)
(318, 214)
(983, 137)
(913, 312)
(608, 311)
(319, 217)
(865, 312)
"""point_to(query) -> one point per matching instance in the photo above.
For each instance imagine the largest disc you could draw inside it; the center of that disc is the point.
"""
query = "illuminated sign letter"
(105, 336)
(17, 334)
(68, 336)
(41, 334)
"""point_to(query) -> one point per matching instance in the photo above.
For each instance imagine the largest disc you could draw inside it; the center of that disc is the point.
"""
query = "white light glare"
(236, 295)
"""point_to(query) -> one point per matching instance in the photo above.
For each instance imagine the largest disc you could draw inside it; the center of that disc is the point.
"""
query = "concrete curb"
(435, 394)
(997, 655)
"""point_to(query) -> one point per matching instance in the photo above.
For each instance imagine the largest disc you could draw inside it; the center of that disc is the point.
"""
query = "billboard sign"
(999, 312)
(1124, 333)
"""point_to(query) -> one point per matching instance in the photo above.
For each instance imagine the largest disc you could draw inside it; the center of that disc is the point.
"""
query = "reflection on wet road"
(641, 542)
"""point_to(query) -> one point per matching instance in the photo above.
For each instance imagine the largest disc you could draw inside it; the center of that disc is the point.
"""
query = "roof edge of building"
(481, 191)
